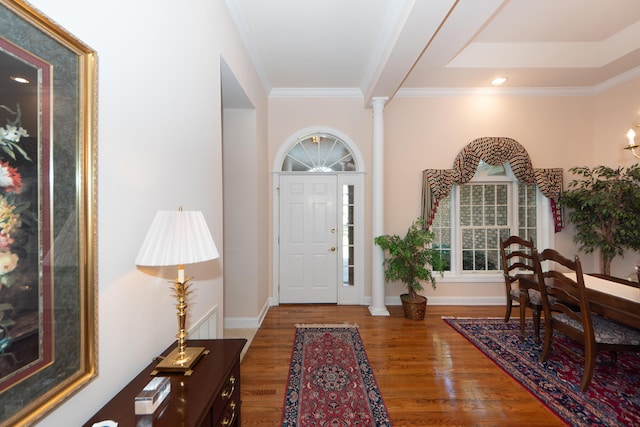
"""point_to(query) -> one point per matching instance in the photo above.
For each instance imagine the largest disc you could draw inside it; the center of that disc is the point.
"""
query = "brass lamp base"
(174, 362)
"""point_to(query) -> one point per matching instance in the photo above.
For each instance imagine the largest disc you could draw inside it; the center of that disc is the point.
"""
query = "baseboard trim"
(255, 322)
(436, 300)
(247, 322)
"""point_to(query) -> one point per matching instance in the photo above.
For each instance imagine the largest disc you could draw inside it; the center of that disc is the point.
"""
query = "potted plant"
(410, 260)
(605, 210)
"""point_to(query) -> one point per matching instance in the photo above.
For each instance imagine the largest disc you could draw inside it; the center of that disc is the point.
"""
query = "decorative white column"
(378, 307)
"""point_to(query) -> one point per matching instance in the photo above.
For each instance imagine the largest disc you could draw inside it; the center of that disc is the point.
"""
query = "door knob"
(333, 249)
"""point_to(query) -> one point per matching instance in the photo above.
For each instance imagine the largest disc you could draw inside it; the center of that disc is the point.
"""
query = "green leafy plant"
(605, 210)
(410, 259)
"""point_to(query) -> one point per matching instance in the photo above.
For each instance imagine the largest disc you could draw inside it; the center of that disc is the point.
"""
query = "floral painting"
(48, 214)
(22, 310)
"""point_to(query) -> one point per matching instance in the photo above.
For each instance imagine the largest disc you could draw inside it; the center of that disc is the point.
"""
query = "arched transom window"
(319, 152)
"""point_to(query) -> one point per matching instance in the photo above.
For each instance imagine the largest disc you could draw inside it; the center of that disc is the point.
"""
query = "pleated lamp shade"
(176, 238)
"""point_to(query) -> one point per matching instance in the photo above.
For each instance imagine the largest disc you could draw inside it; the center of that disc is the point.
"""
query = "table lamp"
(178, 238)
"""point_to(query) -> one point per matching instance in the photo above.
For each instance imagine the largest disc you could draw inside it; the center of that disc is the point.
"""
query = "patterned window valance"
(437, 183)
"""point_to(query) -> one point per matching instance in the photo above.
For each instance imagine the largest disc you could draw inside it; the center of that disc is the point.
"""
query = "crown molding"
(617, 80)
(471, 91)
(437, 92)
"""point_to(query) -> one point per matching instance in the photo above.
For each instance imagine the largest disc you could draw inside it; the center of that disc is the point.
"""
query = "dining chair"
(567, 310)
(516, 255)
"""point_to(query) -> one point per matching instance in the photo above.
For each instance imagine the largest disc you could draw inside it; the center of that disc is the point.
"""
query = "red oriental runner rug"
(612, 399)
(330, 380)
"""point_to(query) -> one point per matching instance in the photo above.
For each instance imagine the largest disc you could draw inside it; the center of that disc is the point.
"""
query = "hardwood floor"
(428, 374)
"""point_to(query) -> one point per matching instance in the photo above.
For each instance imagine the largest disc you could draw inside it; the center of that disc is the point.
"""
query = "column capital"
(378, 102)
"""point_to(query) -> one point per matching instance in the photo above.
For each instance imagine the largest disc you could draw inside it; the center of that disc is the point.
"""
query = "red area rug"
(612, 399)
(330, 381)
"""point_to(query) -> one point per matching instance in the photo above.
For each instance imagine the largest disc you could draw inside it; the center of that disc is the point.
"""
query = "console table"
(209, 397)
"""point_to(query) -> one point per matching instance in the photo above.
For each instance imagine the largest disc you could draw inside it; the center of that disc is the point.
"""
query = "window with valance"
(437, 183)
(499, 199)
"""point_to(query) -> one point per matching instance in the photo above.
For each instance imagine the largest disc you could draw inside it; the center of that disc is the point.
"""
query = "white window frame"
(544, 229)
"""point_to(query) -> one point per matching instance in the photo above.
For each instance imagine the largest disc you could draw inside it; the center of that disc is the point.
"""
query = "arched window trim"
(294, 138)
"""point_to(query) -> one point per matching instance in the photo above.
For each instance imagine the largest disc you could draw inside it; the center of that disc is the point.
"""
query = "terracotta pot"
(415, 308)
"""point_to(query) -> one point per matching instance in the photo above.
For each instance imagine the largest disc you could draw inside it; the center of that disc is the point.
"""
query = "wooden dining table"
(610, 297)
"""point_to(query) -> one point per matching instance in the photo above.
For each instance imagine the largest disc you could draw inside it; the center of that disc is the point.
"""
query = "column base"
(378, 311)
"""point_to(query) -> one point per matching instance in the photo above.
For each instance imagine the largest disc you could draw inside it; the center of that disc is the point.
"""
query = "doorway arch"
(323, 152)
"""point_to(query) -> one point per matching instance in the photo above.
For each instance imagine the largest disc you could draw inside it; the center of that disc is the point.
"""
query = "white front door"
(308, 239)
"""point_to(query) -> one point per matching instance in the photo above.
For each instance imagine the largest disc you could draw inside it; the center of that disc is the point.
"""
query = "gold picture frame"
(48, 216)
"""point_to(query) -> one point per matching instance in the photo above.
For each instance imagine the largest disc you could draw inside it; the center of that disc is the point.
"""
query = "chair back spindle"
(516, 255)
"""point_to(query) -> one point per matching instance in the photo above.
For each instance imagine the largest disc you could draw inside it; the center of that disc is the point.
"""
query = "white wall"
(159, 147)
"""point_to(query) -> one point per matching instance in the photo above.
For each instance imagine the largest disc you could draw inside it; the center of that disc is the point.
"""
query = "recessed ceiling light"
(19, 79)
(498, 81)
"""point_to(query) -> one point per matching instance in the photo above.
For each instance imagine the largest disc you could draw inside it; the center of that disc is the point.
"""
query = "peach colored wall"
(428, 132)
(246, 195)
(616, 110)
(287, 116)
(244, 290)
(424, 133)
